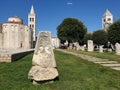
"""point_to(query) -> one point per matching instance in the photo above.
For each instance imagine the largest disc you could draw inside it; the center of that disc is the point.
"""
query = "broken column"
(43, 62)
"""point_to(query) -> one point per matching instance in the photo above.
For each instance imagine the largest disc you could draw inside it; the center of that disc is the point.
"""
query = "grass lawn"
(105, 55)
(74, 74)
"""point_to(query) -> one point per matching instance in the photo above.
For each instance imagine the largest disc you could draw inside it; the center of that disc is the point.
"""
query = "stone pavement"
(104, 62)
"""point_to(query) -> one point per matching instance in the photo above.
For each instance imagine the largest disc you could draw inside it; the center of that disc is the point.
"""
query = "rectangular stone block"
(90, 45)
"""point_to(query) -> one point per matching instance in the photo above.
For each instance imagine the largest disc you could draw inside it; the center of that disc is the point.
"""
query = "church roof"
(15, 19)
(32, 10)
(107, 13)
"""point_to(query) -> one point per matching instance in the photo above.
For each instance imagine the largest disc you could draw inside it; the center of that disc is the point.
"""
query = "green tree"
(72, 30)
(88, 36)
(100, 37)
(114, 32)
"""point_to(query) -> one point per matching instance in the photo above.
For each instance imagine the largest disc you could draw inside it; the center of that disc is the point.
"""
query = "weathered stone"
(70, 46)
(77, 46)
(44, 65)
(90, 45)
(82, 48)
(55, 42)
(117, 46)
(66, 43)
(43, 55)
(109, 50)
(101, 49)
(38, 73)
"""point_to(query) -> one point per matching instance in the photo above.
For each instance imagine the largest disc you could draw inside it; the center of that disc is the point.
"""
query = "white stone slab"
(111, 65)
(90, 45)
(106, 62)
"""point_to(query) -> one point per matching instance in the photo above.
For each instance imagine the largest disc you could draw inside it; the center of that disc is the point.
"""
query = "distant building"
(107, 20)
(55, 42)
(15, 35)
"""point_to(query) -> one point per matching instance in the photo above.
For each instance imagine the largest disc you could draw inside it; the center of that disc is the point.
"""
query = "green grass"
(74, 74)
(105, 55)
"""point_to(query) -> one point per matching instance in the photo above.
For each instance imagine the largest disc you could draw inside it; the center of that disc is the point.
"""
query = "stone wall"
(0, 28)
(16, 36)
(28, 40)
(1, 37)
(10, 57)
(1, 41)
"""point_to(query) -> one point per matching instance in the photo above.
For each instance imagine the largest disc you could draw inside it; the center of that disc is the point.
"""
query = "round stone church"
(15, 35)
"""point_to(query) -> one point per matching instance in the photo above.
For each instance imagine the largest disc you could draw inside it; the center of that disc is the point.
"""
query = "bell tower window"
(109, 19)
(104, 20)
(32, 19)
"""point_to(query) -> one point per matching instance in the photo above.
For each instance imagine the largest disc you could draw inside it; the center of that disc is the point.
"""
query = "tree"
(100, 37)
(114, 32)
(88, 36)
(72, 30)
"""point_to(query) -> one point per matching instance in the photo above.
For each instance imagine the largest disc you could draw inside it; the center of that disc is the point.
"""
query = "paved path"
(104, 62)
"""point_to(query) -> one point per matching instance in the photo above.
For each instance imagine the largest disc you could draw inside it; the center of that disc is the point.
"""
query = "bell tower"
(107, 20)
(32, 22)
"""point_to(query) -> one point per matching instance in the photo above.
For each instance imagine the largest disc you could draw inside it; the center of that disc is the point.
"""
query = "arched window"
(32, 26)
(104, 20)
(32, 19)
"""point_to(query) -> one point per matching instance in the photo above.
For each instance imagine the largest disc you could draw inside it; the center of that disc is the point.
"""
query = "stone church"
(15, 35)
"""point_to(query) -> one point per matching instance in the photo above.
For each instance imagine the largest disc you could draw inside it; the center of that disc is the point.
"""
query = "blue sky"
(50, 13)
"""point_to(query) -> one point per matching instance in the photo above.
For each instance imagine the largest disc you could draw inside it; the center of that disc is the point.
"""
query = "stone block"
(117, 46)
(44, 65)
(90, 45)
(101, 49)
(38, 73)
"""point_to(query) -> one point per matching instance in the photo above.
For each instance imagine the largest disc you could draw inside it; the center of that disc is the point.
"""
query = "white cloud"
(69, 3)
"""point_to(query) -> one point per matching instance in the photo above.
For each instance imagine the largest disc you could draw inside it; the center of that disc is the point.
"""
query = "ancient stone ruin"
(90, 45)
(117, 46)
(101, 49)
(43, 62)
